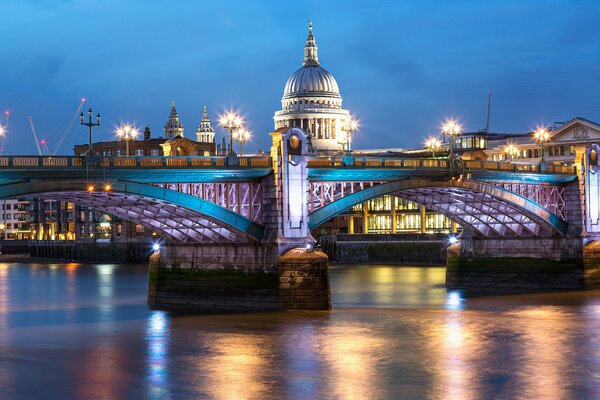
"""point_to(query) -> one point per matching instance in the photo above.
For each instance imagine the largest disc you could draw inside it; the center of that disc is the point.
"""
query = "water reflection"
(237, 366)
(157, 339)
(546, 346)
(352, 353)
(83, 331)
(454, 300)
(5, 371)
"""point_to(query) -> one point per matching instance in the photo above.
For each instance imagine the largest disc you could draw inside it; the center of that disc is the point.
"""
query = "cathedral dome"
(311, 80)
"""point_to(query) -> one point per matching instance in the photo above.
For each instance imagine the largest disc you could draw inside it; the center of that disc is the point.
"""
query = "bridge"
(244, 214)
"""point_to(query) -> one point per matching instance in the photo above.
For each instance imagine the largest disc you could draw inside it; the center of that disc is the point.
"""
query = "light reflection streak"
(456, 349)
(545, 344)
(157, 338)
(106, 291)
(238, 367)
(454, 301)
(5, 371)
(352, 353)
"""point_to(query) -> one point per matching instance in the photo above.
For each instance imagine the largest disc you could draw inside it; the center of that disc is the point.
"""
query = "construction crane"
(42, 144)
(35, 136)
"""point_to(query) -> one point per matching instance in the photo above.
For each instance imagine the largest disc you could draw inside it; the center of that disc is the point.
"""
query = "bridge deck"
(216, 169)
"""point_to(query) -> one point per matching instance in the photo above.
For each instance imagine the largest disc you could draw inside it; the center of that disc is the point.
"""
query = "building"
(15, 219)
(172, 144)
(88, 224)
(312, 101)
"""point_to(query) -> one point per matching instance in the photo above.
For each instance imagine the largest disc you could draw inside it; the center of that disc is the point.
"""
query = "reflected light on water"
(545, 344)
(157, 339)
(353, 354)
(237, 367)
(5, 372)
(455, 350)
(454, 301)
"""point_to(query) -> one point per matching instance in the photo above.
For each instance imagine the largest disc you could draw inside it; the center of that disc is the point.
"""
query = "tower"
(205, 132)
(173, 127)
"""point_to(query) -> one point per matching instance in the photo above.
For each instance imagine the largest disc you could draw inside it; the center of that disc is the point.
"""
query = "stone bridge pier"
(278, 271)
(569, 261)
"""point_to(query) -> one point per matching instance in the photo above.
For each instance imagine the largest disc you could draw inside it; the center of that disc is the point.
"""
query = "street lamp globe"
(452, 128)
(242, 136)
(127, 132)
(434, 144)
(231, 121)
(541, 136)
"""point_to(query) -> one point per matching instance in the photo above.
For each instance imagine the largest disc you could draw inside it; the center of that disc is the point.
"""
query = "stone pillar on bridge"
(279, 272)
(303, 271)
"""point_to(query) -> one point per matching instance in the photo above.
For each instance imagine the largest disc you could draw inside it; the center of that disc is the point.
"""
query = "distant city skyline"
(402, 69)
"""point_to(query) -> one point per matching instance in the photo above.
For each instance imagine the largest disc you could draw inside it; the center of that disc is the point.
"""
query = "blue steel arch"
(220, 215)
(527, 206)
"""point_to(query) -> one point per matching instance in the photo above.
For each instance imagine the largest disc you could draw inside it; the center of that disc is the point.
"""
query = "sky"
(402, 66)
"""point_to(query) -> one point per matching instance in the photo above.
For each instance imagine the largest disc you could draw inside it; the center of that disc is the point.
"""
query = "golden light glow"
(107, 187)
(242, 135)
(511, 150)
(2, 226)
(541, 134)
(451, 127)
(351, 125)
(127, 131)
(433, 143)
(90, 188)
(231, 120)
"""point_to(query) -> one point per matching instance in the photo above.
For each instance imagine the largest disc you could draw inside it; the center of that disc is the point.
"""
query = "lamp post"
(127, 132)
(241, 135)
(434, 144)
(349, 127)
(231, 122)
(89, 124)
(452, 128)
(510, 151)
(541, 135)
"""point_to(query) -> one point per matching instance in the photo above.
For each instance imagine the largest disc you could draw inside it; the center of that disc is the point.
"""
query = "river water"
(72, 331)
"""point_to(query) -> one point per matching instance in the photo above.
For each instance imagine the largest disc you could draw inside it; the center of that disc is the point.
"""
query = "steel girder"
(486, 209)
(174, 214)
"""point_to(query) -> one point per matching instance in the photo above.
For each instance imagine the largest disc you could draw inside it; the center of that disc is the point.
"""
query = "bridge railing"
(412, 163)
(133, 162)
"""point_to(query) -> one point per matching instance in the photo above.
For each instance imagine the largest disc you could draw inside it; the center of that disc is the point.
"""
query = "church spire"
(173, 127)
(311, 54)
(205, 132)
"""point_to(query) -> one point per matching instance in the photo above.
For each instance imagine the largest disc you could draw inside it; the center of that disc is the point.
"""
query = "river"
(73, 331)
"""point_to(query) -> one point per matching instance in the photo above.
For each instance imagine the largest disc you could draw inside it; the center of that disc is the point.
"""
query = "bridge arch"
(177, 216)
(485, 209)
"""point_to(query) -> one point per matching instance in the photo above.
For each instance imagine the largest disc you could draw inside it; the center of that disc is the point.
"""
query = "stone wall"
(524, 263)
(235, 278)
(80, 251)
(385, 249)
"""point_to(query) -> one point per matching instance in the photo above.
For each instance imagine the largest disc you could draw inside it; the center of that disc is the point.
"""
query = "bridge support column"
(281, 272)
(566, 263)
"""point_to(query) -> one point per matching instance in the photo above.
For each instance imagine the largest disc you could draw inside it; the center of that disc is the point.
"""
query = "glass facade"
(389, 214)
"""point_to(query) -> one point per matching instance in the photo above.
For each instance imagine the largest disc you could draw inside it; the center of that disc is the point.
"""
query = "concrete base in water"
(530, 264)
(230, 278)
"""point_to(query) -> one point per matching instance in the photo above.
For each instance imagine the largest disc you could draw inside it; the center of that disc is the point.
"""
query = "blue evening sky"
(402, 66)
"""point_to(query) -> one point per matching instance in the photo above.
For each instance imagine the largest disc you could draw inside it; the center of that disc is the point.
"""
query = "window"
(139, 152)
(118, 152)
(154, 152)
(139, 230)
